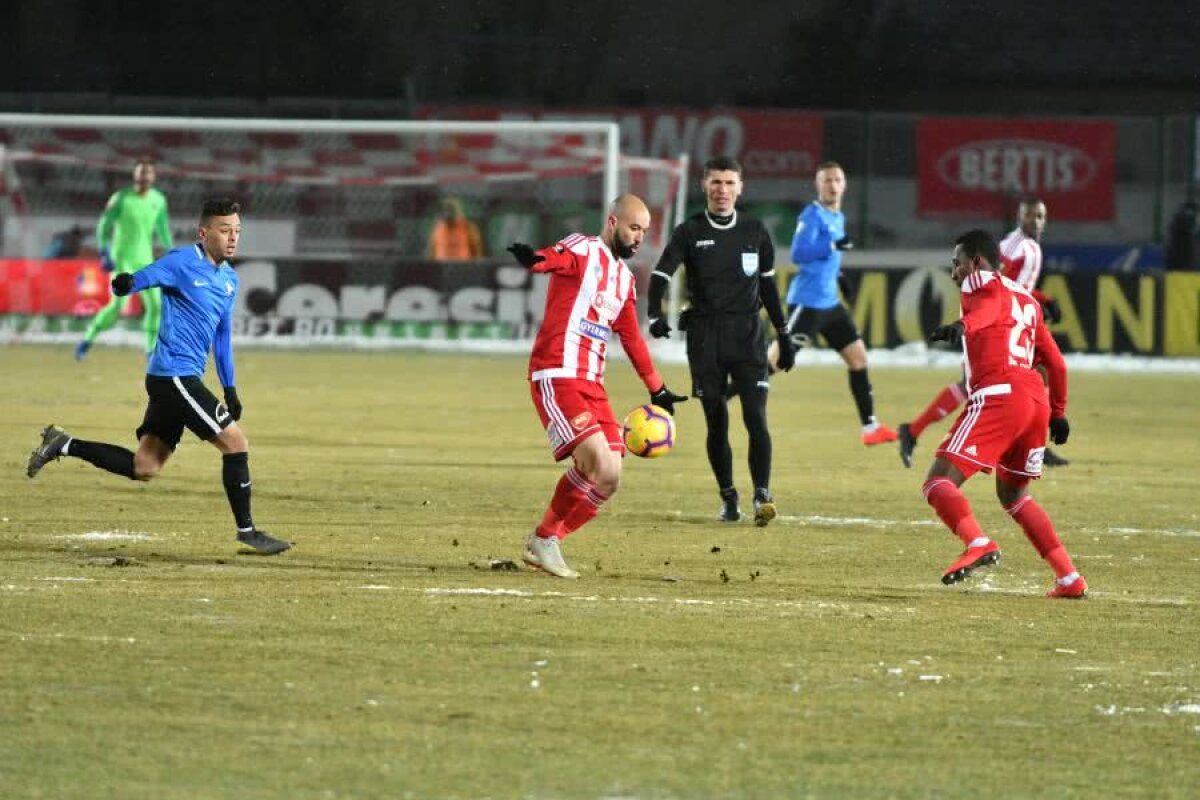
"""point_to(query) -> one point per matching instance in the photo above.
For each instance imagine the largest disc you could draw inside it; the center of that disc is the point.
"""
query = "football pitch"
(393, 654)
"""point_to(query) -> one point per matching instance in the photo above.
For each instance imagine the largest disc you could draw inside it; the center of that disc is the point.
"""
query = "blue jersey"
(817, 260)
(197, 312)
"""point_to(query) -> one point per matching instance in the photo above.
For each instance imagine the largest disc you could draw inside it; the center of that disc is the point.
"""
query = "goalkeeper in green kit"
(125, 237)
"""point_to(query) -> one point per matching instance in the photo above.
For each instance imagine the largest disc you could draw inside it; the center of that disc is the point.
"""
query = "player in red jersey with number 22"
(1004, 424)
(591, 296)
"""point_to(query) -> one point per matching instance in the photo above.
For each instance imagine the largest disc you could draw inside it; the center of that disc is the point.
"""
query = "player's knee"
(607, 476)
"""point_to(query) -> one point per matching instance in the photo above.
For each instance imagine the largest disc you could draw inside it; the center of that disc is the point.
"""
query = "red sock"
(948, 399)
(586, 507)
(567, 495)
(953, 508)
(1036, 523)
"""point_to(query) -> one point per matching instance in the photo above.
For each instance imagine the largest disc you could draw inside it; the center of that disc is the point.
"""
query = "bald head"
(628, 219)
(628, 205)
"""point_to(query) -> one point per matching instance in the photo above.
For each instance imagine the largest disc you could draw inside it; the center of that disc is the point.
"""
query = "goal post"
(340, 198)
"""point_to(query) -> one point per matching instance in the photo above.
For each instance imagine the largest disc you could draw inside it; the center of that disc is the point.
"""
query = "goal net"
(346, 198)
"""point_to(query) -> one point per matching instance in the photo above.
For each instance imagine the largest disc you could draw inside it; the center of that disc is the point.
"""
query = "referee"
(729, 264)
(198, 290)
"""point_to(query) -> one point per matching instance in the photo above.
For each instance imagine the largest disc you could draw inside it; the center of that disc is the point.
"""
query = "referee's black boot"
(262, 542)
(729, 506)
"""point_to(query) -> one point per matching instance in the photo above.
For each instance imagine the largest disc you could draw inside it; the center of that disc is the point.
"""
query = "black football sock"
(754, 415)
(860, 387)
(116, 460)
(720, 456)
(235, 474)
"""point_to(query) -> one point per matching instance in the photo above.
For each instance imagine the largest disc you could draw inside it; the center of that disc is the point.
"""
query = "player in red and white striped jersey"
(591, 296)
(1007, 417)
(1021, 262)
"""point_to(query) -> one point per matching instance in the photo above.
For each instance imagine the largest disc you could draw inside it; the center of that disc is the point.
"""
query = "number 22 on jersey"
(1020, 339)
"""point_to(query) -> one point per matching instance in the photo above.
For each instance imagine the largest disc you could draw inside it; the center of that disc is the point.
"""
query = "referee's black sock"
(860, 387)
(116, 460)
(235, 474)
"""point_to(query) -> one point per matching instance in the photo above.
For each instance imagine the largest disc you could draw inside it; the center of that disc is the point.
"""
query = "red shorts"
(572, 410)
(999, 429)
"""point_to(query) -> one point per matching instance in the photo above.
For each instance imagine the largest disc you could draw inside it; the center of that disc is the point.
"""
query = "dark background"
(383, 59)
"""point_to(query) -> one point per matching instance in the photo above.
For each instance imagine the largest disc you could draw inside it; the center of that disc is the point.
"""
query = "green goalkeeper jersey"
(129, 223)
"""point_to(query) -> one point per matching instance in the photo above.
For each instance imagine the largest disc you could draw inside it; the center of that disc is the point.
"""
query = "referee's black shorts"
(724, 347)
(835, 324)
(182, 402)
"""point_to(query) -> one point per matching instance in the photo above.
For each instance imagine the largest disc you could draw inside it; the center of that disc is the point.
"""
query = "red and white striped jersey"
(1021, 259)
(591, 296)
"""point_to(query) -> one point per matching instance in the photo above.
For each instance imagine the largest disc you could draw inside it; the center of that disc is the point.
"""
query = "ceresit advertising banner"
(770, 144)
(976, 167)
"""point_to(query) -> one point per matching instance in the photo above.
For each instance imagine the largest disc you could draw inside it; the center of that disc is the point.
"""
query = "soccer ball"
(649, 431)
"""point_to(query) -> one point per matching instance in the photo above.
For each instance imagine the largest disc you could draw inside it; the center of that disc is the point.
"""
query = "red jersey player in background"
(1008, 413)
(591, 296)
(1021, 261)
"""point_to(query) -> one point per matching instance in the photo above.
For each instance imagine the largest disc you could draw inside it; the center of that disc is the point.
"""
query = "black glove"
(951, 333)
(1060, 430)
(232, 403)
(122, 284)
(787, 350)
(660, 328)
(844, 243)
(847, 290)
(665, 399)
(525, 254)
(1052, 311)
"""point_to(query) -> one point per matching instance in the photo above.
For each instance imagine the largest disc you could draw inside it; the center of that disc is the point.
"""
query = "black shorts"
(835, 324)
(723, 347)
(176, 403)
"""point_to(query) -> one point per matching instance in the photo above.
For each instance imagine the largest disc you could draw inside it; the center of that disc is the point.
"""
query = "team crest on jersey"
(229, 288)
(580, 421)
(749, 263)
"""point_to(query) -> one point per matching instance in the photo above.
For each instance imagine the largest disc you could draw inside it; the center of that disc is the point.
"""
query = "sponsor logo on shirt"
(594, 330)
(199, 282)
(608, 305)
(705, 243)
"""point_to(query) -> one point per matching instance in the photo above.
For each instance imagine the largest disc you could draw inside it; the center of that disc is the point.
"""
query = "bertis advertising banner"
(976, 167)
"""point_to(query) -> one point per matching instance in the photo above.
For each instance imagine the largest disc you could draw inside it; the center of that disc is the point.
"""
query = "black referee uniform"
(730, 271)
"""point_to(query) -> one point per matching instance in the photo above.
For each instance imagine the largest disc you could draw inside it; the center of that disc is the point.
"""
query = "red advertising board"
(973, 167)
(70, 286)
(770, 144)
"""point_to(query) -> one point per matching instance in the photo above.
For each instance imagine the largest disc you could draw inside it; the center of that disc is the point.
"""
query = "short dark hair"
(980, 243)
(824, 165)
(218, 207)
(723, 164)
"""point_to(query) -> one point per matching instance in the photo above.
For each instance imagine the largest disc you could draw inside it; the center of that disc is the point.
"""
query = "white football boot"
(544, 554)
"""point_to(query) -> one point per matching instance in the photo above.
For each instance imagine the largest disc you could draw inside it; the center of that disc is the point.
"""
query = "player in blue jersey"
(198, 291)
(814, 306)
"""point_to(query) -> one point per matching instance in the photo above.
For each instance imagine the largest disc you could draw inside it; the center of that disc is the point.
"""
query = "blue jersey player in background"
(198, 291)
(814, 306)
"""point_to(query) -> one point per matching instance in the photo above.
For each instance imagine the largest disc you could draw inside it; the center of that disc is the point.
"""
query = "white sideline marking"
(477, 591)
(109, 536)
